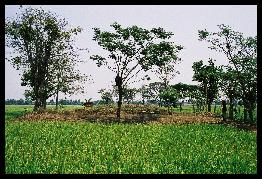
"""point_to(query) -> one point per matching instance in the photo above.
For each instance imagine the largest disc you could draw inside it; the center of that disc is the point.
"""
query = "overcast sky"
(183, 21)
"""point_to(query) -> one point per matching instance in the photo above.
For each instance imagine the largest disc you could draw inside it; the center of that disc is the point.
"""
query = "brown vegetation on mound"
(131, 114)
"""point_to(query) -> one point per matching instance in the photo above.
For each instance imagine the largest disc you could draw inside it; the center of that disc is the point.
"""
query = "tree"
(208, 76)
(169, 96)
(196, 96)
(183, 91)
(132, 50)
(231, 88)
(242, 55)
(36, 37)
(68, 79)
(106, 96)
(144, 90)
(145, 93)
(154, 90)
(167, 72)
(129, 94)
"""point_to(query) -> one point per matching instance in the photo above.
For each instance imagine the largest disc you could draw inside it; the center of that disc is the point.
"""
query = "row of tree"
(18, 102)
(48, 58)
(50, 102)
(238, 79)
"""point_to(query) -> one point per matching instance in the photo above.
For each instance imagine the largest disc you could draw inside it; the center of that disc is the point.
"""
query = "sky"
(183, 20)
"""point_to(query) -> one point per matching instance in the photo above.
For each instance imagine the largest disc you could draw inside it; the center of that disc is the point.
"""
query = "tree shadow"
(239, 125)
(143, 118)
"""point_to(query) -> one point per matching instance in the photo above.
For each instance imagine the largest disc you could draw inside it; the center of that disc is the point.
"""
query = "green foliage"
(242, 55)
(166, 71)
(145, 93)
(169, 96)
(131, 50)
(45, 53)
(106, 96)
(154, 90)
(134, 44)
(128, 93)
(229, 83)
(183, 89)
(208, 76)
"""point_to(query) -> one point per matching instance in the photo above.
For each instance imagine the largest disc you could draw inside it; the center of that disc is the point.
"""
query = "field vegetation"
(85, 146)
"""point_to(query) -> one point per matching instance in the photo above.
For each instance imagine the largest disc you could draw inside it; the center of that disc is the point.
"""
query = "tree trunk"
(37, 99)
(37, 104)
(119, 81)
(206, 101)
(224, 110)
(215, 107)
(245, 114)
(250, 110)
(209, 107)
(180, 106)
(44, 103)
(165, 83)
(119, 103)
(40, 102)
(56, 100)
(250, 115)
(239, 110)
(231, 106)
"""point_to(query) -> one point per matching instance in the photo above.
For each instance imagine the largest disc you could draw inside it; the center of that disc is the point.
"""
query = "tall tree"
(242, 55)
(208, 76)
(67, 78)
(183, 89)
(144, 90)
(35, 37)
(230, 87)
(132, 50)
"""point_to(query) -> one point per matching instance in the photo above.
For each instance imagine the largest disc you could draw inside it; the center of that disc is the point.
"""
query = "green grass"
(82, 147)
(13, 111)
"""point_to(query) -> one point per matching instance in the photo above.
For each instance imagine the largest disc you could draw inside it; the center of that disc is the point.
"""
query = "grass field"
(84, 147)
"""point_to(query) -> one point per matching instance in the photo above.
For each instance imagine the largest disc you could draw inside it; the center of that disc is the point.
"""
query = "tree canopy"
(43, 47)
(242, 55)
(131, 50)
(208, 76)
